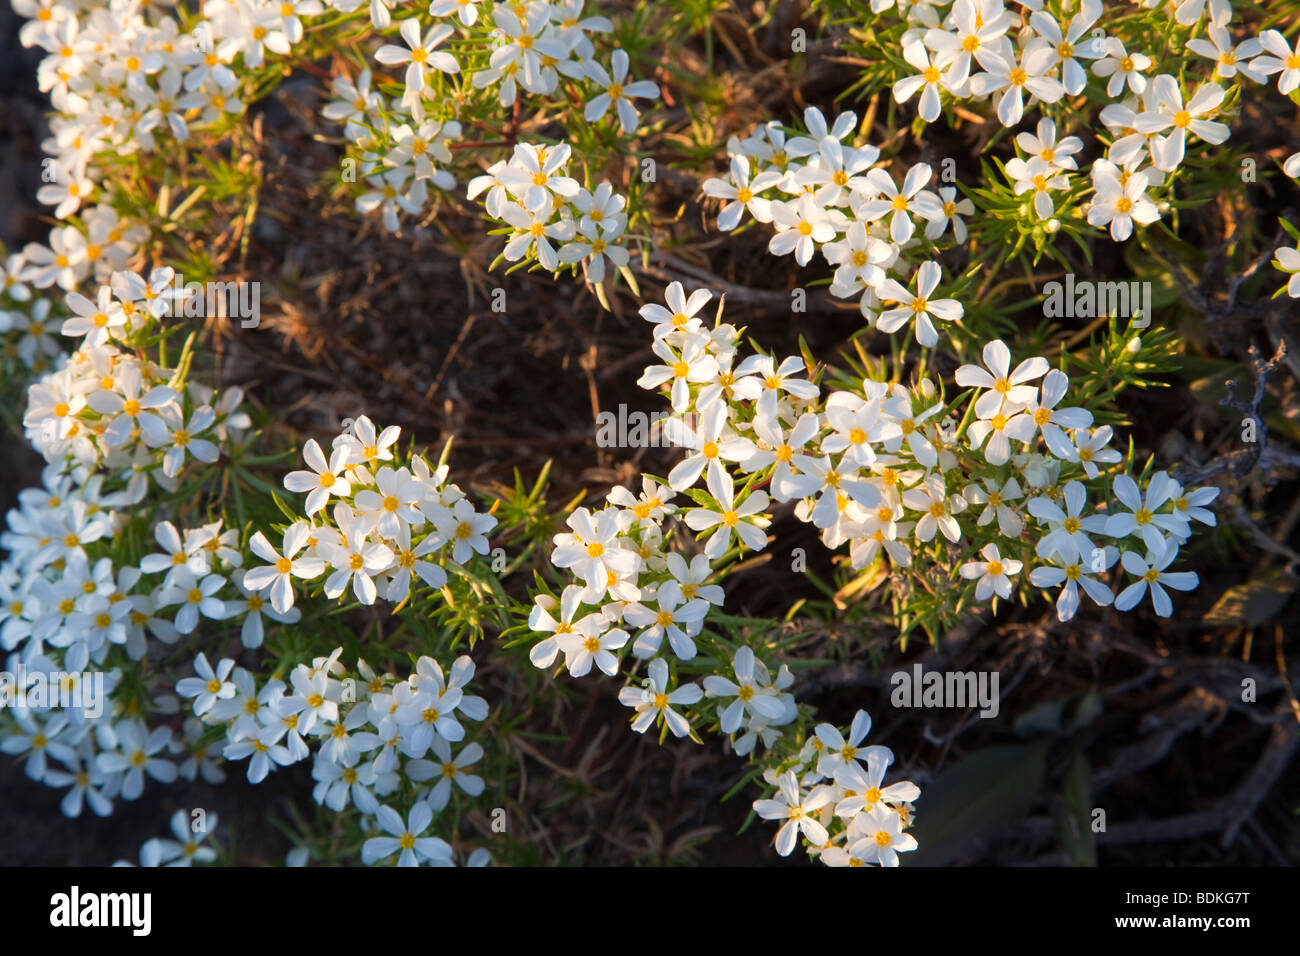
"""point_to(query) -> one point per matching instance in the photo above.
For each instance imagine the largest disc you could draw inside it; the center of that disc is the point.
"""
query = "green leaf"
(973, 798)
(1076, 824)
(1252, 603)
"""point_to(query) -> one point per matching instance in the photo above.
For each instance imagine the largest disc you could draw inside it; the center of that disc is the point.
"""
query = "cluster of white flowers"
(886, 469)
(976, 51)
(188, 847)
(529, 45)
(376, 738)
(124, 83)
(851, 819)
(883, 468)
(533, 194)
(860, 219)
(388, 526)
(107, 407)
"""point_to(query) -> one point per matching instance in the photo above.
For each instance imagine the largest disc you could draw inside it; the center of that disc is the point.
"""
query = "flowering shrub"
(337, 608)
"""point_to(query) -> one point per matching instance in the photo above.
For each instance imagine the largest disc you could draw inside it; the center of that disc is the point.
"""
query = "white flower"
(466, 10)
(97, 320)
(594, 243)
(535, 174)
(274, 576)
(1004, 386)
(797, 809)
(759, 377)
(1074, 573)
(1228, 60)
(691, 577)
(1090, 449)
(466, 530)
(900, 204)
(541, 618)
(448, 771)
(750, 696)
(1039, 177)
(392, 503)
(1190, 504)
(1167, 151)
(1051, 420)
(420, 54)
(711, 446)
(840, 752)
(583, 649)
(1153, 575)
(324, 479)
(392, 192)
(952, 210)
(1067, 46)
(593, 552)
(1043, 145)
(195, 598)
(885, 838)
(972, 34)
(133, 754)
(654, 699)
(742, 194)
(405, 839)
(677, 618)
(618, 91)
(188, 848)
(801, 226)
(680, 314)
(1279, 59)
(183, 439)
(356, 101)
(861, 258)
(1121, 200)
(355, 559)
(993, 573)
(1287, 259)
(932, 76)
(175, 556)
(253, 606)
(995, 498)
(1122, 67)
(863, 788)
(729, 517)
(931, 498)
(1143, 518)
(367, 448)
(1005, 74)
(1066, 537)
(918, 306)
